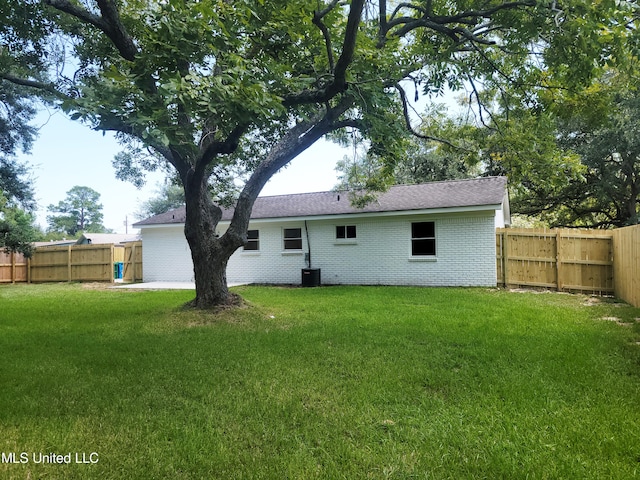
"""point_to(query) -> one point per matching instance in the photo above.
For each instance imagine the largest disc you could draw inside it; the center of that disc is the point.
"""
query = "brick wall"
(381, 253)
(165, 255)
(271, 264)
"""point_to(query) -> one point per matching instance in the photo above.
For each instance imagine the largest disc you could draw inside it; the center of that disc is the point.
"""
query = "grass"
(331, 382)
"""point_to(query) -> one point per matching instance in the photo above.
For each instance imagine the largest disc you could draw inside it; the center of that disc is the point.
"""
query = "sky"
(68, 154)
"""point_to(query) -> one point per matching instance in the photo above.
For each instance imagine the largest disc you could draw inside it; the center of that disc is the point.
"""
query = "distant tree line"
(572, 157)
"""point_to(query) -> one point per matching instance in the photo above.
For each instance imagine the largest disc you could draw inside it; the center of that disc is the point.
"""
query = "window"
(253, 240)
(345, 231)
(423, 238)
(293, 239)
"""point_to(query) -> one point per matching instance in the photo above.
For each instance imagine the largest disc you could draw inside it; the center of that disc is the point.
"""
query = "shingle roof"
(426, 196)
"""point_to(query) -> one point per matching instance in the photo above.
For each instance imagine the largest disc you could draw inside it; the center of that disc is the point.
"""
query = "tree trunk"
(210, 272)
(632, 208)
(209, 252)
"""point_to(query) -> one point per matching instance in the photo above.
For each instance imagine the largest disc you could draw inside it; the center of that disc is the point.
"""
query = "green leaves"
(17, 230)
(17, 222)
(603, 128)
(572, 157)
(78, 212)
(203, 71)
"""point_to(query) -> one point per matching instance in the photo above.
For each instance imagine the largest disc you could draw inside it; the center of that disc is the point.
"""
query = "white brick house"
(435, 234)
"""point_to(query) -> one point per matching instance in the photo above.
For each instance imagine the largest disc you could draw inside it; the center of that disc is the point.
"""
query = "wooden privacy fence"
(13, 268)
(626, 264)
(564, 259)
(72, 263)
(597, 261)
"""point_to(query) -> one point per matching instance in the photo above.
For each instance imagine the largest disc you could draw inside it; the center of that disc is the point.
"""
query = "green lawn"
(331, 382)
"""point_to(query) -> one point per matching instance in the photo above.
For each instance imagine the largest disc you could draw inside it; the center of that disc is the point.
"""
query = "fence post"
(132, 259)
(111, 265)
(501, 253)
(505, 258)
(502, 257)
(133, 265)
(69, 263)
(558, 261)
(13, 267)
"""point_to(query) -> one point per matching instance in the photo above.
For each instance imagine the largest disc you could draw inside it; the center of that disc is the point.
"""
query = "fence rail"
(564, 259)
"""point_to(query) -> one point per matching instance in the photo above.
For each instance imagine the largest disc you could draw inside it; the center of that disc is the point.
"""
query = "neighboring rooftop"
(426, 196)
(92, 238)
(55, 243)
(106, 238)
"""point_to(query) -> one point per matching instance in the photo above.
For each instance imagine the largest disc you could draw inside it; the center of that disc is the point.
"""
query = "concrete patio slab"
(166, 285)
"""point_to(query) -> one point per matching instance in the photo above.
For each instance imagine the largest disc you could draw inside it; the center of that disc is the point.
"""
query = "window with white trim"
(253, 241)
(292, 238)
(423, 239)
(344, 232)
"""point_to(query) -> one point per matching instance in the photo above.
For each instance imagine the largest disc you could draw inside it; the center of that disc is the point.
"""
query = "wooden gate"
(132, 262)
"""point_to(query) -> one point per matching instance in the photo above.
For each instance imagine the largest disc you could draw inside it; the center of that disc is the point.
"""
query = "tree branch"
(292, 144)
(349, 44)
(447, 25)
(115, 124)
(325, 11)
(486, 12)
(109, 23)
(405, 111)
(339, 82)
(476, 93)
(317, 20)
(76, 11)
(117, 31)
(382, 29)
(455, 33)
(47, 87)
(225, 147)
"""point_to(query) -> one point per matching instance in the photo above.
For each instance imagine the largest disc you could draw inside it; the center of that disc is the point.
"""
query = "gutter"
(391, 213)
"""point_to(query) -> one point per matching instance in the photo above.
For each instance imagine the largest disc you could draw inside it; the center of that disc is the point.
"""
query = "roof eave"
(350, 215)
(391, 213)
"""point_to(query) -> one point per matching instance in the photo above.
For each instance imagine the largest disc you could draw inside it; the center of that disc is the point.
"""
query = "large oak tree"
(601, 125)
(228, 92)
(572, 158)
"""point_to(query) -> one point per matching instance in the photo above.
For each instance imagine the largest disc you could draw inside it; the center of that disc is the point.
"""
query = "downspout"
(306, 229)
